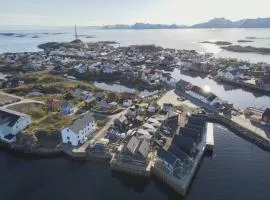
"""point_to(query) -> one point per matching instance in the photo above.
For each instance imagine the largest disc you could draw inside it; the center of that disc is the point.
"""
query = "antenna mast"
(76, 34)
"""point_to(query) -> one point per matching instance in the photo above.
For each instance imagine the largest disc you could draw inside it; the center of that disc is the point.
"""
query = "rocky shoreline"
(31, 151)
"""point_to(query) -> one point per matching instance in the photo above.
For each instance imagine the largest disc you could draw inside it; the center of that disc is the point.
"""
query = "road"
(11, 95)
(101, 133)
(171, 97)
(263, 131)
(22, 100)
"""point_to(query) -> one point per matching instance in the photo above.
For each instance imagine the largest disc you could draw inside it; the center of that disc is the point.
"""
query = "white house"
(228, 76)
(80, 68)
(127, 103)
(107, 69)
(12, 123)
(78, 132)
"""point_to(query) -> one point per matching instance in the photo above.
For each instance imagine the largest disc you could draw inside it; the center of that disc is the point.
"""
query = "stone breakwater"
(239, 130)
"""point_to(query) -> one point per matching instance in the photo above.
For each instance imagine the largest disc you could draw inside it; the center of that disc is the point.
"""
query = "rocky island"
(243, 41)
(247, 49)
(219, 43)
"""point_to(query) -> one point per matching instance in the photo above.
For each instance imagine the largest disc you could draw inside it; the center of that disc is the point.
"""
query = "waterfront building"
(175, 165)
(168, 107)
(181, 85)
(191, 132)
(184, 143)
(66, 108)
(78, 132)
(80, 68)
(135, 152)
(266, 116)
(12, 123)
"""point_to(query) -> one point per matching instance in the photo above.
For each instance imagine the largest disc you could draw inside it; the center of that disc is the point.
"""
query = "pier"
(130, 168)
(240, 130)
(247, 86)
(182, 183)
(210, 136)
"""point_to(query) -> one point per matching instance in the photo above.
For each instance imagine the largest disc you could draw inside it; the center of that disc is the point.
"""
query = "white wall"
(19, 126)
(78, 138)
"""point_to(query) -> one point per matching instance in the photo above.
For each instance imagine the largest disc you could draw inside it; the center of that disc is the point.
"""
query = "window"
(67, 130)
(68, 137)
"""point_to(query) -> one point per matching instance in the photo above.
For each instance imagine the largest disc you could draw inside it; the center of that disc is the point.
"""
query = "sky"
(106, 12)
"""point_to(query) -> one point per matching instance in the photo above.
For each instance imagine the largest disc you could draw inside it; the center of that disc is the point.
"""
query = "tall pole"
(76, 35)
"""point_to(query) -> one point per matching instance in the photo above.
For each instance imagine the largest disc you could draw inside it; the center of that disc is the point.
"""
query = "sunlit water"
(179, 39)
(237, 170)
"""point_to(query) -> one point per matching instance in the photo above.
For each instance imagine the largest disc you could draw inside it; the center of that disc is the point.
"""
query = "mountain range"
(213, 23)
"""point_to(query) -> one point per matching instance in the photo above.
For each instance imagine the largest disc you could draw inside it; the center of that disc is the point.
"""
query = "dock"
(209, 136)
(182, 184)
(130, 168)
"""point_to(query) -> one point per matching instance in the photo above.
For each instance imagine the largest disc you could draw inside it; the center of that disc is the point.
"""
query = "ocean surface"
(27, 39)
(237, 169)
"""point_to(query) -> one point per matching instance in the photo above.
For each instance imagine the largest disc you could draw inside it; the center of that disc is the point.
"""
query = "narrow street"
(101, 133)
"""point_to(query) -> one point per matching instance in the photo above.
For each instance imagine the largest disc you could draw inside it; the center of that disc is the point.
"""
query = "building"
(12, 123)
(78, 132)
(82, 94)
(181, 85)
(107, 69)
(172, 164)
(266, 116)
(80, 68)
(127, 103)
(184, 143)
(152, 108)
(136, 152)
(66, 108)
(202, 95)
(168, 107)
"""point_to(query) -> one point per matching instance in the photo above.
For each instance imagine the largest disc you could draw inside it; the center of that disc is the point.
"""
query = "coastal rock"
(219, 43)
(247, 49)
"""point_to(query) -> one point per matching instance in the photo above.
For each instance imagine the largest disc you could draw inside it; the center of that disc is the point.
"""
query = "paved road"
(101, 133)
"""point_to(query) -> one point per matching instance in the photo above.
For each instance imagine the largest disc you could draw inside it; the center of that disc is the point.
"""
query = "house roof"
(196, 127)
(189, 132)
(133, 144)
(167, 156)
(178, 153)
(196, 120)
(211, 97)
(144, 148)
(10, 116)
(143, 132)
(183, 142)
(66, 105)
(182, 83)
(266, 113)
(81, 122)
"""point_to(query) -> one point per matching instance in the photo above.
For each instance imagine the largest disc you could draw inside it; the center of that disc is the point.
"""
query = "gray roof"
(10, 116)
(144, 148)
(133, 144)
(81, 122)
